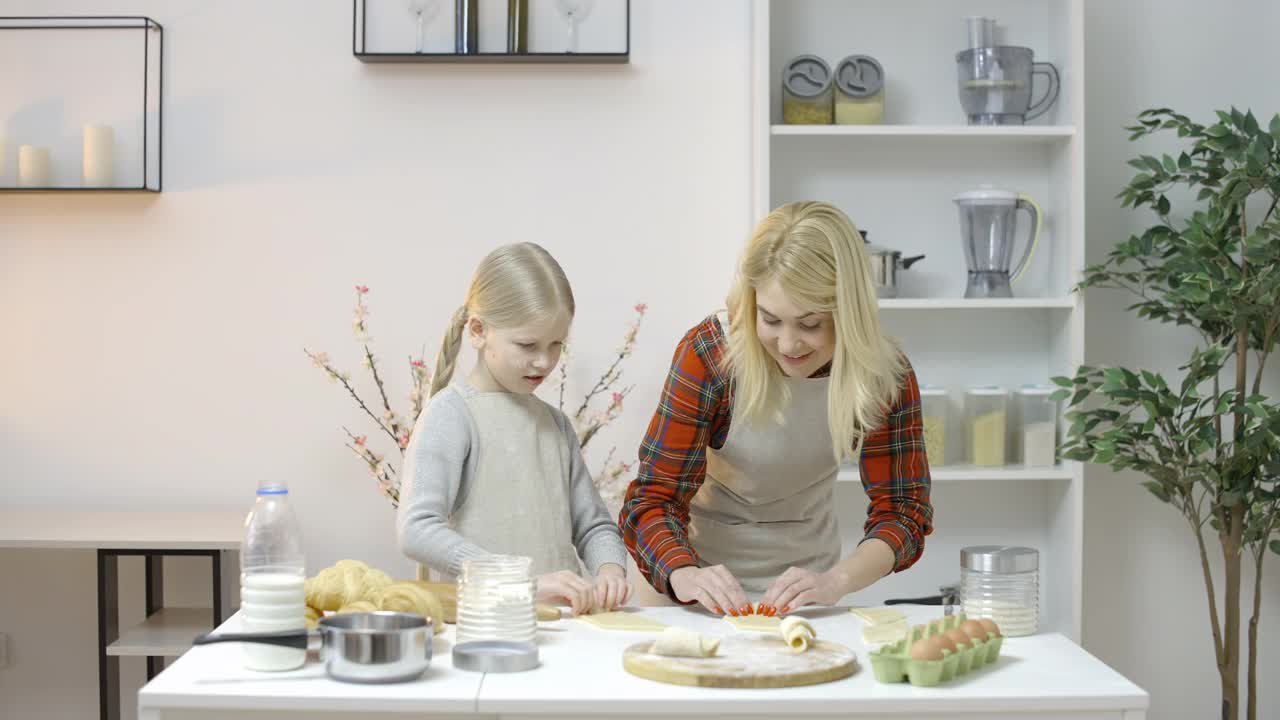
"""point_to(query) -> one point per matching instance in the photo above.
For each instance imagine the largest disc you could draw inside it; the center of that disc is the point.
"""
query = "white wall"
(1145, 610)
(153, 345)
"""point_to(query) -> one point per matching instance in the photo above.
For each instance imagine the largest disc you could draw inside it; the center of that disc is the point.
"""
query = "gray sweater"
(441, 461)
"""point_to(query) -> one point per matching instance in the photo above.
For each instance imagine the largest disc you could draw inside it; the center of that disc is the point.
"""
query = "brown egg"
(960, 638)
(990, 626)
(926, 649)
(974, 629)
(945, 643)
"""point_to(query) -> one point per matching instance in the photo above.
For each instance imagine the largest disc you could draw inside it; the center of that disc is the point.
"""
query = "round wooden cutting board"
(753, 662)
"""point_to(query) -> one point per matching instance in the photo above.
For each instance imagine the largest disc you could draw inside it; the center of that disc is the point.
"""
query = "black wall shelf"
(151, 41)
(359, 48)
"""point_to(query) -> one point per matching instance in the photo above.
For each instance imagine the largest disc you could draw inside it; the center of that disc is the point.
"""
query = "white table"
(165, 632)
(581, 676)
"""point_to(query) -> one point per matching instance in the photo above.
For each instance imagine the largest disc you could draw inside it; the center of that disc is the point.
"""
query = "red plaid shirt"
(694, 413)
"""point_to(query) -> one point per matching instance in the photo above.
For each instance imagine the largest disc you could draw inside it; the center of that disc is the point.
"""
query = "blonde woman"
(493, 469)
(735, 489)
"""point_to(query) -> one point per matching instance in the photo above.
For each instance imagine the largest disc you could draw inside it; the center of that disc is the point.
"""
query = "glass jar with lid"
(1002, 583)
(496, 599)
(806, 91)
(1035, 436)
(935, 412)
(986, 413)
(859, 91)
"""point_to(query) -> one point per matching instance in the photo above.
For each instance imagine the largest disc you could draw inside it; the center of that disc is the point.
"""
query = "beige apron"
(518, 501)
(767, 502)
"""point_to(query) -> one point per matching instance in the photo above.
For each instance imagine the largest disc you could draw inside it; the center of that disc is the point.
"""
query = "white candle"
(33, 166)
(99, 142)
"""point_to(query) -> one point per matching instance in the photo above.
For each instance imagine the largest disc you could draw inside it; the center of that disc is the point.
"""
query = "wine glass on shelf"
(574, 12)
(423, 11)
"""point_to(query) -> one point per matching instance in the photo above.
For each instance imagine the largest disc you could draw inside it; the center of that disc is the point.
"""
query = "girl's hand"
(798, 587)
(565, 588)
(611, 588)
(714, 587)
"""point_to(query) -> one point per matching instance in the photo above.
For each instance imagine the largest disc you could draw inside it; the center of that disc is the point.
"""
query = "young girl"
(735, 490)
(492, 468)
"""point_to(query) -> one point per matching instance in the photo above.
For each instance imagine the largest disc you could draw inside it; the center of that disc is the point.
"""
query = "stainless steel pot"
(373, 647)
(885, 264)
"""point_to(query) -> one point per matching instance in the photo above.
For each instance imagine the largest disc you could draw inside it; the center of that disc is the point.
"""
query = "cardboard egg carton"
(893, 663)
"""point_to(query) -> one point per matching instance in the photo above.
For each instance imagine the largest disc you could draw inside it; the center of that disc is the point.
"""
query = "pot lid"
(806, 76)
(874, 249)
(986, 390)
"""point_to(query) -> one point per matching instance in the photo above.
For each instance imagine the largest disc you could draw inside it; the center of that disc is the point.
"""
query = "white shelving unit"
(1020, 134)
(896, 181)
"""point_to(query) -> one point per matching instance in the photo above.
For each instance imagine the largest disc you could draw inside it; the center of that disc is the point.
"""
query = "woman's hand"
(798, 587)
(611, 588)
(565, 588)
(714, 587)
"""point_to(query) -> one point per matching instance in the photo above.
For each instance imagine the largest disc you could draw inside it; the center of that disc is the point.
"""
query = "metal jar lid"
(859, 76)
(999, 559)
(806, 76)
(495, 656)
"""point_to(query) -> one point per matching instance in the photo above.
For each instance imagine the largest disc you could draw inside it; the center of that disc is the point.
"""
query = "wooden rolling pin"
(448, 594)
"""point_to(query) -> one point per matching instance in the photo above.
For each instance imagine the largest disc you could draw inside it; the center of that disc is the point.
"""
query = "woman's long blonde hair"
(816, 254)
(513, 286)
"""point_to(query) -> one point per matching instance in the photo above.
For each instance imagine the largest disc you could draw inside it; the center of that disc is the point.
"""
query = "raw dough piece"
(879, 616)
(616, 620)
(884, 632)
(797, 632)
(684, 643)
(754, 623)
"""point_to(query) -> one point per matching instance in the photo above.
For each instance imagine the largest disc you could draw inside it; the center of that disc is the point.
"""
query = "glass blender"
(988, 223)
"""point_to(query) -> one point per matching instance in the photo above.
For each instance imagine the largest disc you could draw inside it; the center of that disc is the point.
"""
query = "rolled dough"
(616, 620)
(797, 633)
(684, 643)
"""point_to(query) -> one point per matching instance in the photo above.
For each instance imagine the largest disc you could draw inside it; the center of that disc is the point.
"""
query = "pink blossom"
(617, 398)
(361, 440)
(404, 440)
(418, 364)
(362, 289)
(641, 307)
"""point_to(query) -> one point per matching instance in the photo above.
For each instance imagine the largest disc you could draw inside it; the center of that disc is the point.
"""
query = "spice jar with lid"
(806, 91)
(859, 91)
(1002, 583)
